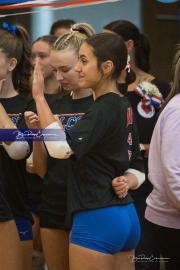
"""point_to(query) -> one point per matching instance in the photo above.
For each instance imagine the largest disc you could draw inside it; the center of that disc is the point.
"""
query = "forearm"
(40, 158)
(44, 112)
(5, 121)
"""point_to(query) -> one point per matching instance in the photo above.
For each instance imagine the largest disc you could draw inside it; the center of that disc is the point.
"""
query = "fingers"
(38, 81)
(1, 83)
(120, 186)
(118, 180)
(28, 113)
(32, 120)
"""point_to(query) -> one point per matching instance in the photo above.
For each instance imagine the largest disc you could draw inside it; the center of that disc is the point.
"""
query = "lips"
(64, 85)
(80, 77)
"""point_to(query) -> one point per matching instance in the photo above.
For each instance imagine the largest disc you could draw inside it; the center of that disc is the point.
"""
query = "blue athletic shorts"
(107, 230)
(24, 228)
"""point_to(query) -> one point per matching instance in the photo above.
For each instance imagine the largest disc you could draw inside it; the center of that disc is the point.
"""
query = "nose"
(33, 60)
(59, 76)
(77, 67)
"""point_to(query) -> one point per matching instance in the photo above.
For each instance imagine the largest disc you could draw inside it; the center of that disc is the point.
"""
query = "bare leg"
(56, 248)
(26, 250)
(86, 259)
(37, 245)
(124, 260)
(38, 256)
(10, 250)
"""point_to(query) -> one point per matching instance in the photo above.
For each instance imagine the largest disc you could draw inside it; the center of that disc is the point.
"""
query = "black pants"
(168, 240)
(147, 249)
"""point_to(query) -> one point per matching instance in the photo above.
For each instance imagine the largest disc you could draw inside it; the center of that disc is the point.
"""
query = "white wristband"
(140, 176)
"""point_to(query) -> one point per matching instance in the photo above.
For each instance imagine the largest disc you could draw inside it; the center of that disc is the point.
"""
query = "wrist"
(39, 98)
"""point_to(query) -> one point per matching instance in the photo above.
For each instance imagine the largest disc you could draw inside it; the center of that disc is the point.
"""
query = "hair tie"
(127, 68)
(73, 31)
(12, 29)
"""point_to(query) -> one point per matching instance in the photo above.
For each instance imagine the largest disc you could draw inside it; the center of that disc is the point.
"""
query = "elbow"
(17, 150)
(59, 150)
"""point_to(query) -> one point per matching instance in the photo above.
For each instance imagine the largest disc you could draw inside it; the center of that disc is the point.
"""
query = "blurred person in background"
(41, 48)
(61, 27)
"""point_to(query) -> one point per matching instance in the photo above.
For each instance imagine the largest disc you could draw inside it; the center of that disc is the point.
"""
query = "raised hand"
(1, 83)
(38, 82)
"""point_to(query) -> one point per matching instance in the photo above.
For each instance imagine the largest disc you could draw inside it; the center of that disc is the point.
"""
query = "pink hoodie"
(163, 203)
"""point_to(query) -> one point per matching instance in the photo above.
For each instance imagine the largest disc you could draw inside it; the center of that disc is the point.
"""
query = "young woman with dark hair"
(14, 101)
(102, 145)
(146, 95)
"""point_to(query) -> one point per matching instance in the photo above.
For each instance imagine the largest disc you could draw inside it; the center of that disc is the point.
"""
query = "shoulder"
(170, 114)
(112, 102)
(27, 102)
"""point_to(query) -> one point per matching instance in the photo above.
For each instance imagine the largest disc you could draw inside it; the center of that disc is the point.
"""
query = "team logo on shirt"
(69, 120)
(15, 117)
(129, 137)
(129, 117)
(129, 154)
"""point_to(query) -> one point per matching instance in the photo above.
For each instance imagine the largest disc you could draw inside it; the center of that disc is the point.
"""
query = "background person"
(14, 101)
(41, 48)
(163, 203)
(69, 109)
(61, 27)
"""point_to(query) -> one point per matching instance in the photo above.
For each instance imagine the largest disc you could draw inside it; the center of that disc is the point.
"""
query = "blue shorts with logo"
(24, 227)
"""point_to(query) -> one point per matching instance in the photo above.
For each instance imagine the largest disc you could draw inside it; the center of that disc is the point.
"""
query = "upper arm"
(170, 158)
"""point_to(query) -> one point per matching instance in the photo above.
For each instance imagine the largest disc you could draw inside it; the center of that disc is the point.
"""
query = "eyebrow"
(59, 67)
(38, 52)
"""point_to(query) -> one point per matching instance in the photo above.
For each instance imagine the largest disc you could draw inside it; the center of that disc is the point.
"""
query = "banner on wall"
(19, 4)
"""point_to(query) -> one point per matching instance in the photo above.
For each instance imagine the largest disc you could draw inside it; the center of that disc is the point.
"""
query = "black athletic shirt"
(145, 129)
(14, 171)
(54, 197)
(5, 211)
(105, 142)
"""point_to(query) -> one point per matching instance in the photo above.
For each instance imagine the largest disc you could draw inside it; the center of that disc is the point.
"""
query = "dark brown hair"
(65, 23)
(127, 31)
(17, 46)
(108, 46)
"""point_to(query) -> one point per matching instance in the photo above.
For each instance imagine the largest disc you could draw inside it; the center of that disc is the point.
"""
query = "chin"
(82, 85)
